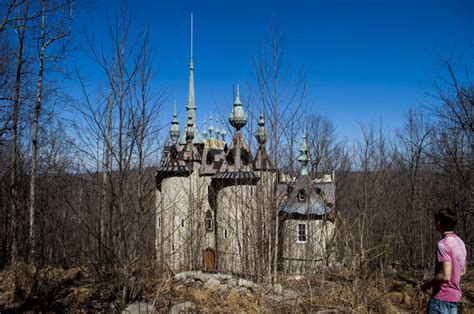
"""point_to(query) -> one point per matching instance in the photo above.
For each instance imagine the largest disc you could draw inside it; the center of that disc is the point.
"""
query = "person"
(450, 266)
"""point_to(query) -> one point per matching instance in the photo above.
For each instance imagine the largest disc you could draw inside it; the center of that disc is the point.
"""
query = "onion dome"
(238, 117)
(303, 158)
(204, 131)
(223, 134)
(174, 128)
(261, 134)
(190, 129)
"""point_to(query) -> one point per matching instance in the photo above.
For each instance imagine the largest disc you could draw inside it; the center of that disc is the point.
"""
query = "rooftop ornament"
(217, 129)
(303, 158)
(261, 134)
(174, 128)
(223, 134)
(238, 117)
(190, 129)
(211, 128)
(204, 131)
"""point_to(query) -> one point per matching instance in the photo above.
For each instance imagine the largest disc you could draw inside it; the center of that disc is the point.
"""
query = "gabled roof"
(313, 203)
(171, 165)
(262, 162)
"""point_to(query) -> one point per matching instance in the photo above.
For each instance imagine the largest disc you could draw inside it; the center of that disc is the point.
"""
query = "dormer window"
(301, 196)
(230, 158)
(209, 159)
(245, 157)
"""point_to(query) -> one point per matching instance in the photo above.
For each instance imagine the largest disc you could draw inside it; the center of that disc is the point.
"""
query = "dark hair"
(446, 217)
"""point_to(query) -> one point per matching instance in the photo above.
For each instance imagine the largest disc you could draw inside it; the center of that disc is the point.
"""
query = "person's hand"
(425, 286)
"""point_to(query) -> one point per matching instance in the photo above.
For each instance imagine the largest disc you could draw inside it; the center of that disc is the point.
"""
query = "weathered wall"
(236, 234)
(306, 257)
(181, 235)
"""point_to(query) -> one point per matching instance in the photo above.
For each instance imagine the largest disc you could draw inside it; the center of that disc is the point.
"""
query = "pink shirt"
(450, 249)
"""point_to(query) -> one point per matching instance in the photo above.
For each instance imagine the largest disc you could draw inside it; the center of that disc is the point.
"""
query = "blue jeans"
(440, 307)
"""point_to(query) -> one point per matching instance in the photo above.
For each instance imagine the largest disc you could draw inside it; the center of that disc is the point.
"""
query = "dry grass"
(23, 287)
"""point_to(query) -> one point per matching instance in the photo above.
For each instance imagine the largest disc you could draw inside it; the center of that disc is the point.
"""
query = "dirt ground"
(23, 287)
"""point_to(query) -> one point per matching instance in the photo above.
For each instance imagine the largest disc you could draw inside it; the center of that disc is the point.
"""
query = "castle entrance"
(209, 259)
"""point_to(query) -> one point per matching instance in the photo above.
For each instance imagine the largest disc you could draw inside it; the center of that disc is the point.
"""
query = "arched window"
(209, 221)
(301, 196)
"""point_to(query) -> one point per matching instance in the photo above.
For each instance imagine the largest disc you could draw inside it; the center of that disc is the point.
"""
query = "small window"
(301, 196)
(159, 222)
(209, 221)
(172, 247)
(209, 159)
(230, 158)
(302, 236)
(225, 234)
(245, 157)
(182, 222)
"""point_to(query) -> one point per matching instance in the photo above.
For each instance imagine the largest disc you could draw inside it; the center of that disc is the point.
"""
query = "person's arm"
(444, 274)
(441, 277)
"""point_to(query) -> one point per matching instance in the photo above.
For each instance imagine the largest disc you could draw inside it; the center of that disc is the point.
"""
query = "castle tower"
(233, 187)
(307, 222)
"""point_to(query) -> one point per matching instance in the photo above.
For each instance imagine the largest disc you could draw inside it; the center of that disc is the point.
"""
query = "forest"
(77, 175)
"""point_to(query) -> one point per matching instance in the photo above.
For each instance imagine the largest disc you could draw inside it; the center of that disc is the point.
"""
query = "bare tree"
(281, 95)
(21, 30)
(49, 34)
(7, 16)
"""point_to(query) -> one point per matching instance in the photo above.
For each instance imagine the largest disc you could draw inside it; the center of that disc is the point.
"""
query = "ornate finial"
(238, 117)
(303, 158)
(262, 134)
(211, 128)
(217, 128)
(237, 96)
(223, 134)
(204, 131)
(190, 129)
(174, 129)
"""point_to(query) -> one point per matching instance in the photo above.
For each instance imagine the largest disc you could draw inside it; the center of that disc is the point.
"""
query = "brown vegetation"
(78, 289)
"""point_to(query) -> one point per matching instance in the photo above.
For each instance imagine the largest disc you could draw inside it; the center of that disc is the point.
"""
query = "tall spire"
(191, 106)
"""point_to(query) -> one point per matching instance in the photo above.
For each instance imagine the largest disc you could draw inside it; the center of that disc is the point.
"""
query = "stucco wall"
(235, 228)
(181, 234)
(309, 256)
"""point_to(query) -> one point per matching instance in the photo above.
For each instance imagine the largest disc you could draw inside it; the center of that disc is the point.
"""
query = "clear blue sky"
(366, 60)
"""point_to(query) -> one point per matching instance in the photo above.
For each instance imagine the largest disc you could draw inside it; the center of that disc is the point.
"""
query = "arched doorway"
(209, 259)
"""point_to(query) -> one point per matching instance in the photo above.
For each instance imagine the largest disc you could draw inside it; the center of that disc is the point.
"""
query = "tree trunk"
(34, 139)
(14, 150)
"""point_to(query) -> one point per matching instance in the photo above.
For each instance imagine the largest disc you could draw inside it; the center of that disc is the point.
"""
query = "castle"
(221, 208)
